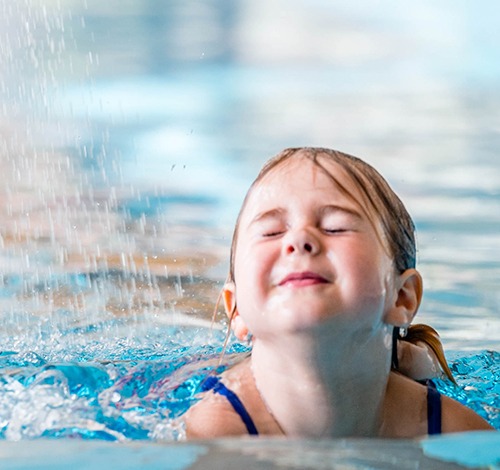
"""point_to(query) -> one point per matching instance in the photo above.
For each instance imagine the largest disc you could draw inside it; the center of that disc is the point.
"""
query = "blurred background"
(130, 130)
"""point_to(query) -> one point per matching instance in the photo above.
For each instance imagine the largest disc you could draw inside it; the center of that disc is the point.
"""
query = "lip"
(302, 279)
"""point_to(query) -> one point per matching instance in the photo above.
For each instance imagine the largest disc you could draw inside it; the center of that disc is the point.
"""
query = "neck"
(326, 381)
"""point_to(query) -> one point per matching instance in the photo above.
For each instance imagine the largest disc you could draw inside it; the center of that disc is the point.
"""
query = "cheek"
(253, 265)
(365, 270)
(252, 280)
(244, 269)
(360, 259)
(248, 276)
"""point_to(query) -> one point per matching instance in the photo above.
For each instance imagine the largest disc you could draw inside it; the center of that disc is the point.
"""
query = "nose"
(301, 242)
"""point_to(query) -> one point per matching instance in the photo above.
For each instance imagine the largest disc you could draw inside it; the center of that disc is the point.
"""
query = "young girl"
(322, 272)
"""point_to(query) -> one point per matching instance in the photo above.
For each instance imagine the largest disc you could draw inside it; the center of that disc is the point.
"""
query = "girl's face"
(307, 252)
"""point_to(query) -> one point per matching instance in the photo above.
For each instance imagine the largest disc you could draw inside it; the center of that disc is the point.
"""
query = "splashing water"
(106, 288)
(139, 391)
(133, 389)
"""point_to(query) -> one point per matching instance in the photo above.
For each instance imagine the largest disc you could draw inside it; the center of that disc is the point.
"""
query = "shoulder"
(417, 361)
(458, 418)
(406, 410)
(213, 416)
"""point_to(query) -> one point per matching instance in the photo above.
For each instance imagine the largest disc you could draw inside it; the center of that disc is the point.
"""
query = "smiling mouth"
(302, 280)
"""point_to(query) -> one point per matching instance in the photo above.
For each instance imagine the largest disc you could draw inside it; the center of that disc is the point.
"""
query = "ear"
(407, 299)
(237, 324)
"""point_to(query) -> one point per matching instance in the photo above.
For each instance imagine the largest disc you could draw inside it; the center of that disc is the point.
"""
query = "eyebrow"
(331, 208)
(277, 213)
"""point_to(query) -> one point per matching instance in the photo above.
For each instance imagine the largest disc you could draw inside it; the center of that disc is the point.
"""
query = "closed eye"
(269, 224)
(272, 234)
(338, 220)
(335, 230)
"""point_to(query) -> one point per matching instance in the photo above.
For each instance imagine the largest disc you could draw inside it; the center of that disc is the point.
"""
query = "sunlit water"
(127, 145)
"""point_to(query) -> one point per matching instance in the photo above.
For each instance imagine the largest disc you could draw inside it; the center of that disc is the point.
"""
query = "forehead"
(299, 174)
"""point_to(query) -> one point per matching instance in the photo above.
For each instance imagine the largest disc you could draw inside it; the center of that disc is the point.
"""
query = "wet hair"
(429, 336)
(382, 206)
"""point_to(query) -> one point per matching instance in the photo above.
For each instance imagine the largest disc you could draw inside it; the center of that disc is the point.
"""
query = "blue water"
(139, 391)
(134, 389)
(128, 137)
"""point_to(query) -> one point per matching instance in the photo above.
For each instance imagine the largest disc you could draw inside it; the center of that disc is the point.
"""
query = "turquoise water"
(128, 137)
(138, 388)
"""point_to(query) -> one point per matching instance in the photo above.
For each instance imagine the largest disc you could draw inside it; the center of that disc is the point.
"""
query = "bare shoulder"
(213, 416)
(458, 418)
(417, 361)
(406, 408)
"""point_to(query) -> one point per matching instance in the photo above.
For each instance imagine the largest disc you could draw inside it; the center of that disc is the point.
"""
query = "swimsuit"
(213, 383)
(433, 404)
(433, 408)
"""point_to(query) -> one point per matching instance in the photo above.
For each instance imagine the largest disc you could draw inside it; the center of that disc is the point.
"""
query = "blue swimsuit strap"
(433, 409)
(213, 383)
(433, 404)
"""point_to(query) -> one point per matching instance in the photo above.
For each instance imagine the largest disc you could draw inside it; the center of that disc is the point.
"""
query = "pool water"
(135, 390)
(127, 147)
(139, 391)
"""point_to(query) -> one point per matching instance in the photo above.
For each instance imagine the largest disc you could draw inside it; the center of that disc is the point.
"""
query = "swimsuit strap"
(213, 383)
(433, 409)
(395, 338)
(433, 405)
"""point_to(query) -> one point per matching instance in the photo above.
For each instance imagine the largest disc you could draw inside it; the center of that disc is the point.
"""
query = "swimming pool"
(129, 146)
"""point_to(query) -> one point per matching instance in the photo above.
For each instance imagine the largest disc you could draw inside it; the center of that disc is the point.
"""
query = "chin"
(292, 320)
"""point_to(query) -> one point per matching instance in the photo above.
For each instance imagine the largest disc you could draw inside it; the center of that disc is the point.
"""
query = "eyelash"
(271, 234)
(336, 230)
(328, 231)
